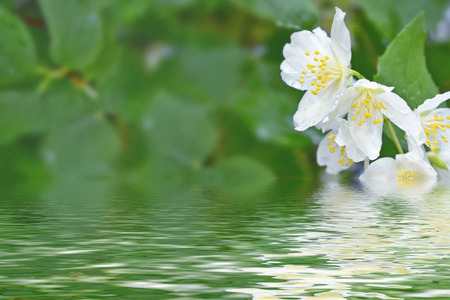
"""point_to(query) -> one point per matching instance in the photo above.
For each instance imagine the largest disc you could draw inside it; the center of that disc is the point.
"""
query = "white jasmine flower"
(335, 155)
(366, 102)
(404, 171)
(435, 122)
(320, 65)
(438, 159)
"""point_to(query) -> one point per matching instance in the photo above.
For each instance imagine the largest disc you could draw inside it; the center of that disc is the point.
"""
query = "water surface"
(94, 240)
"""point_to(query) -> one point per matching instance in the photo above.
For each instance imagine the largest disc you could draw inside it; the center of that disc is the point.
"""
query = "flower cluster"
(352, 113)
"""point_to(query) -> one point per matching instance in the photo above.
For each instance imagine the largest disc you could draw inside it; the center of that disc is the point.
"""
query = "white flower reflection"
(360, 246)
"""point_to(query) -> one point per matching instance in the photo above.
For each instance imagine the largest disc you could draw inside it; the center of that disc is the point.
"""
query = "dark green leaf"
(391, 16)
(439, 64)
(17, 52)
(403, 65)
(76, 32)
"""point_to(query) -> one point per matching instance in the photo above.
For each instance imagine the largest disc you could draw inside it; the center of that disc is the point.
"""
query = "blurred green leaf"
(237, 139)
(391, 16)
(238, 174)
(17, 111)
(107, 55)
(133, 9)
(76, 32)
(95, 5)
(216, 71)
(269, 114)
(367, 46)
(8, 3)
(301, 13)
(439, 64)
(403, 65)
(180, 130)
(126, 88)
(84, 148)
(22, 169)
(26, 112)
(17, 52)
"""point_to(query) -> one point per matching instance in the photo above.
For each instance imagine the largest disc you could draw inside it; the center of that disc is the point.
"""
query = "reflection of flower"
(320, 65)
(366, 102)
(435, 122)
(406, 170)
(335, 157)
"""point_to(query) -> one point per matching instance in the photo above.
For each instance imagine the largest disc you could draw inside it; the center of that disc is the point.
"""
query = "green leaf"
(24, 112)
(403, 65)
(20, 164)
(76, 32)
(125, 88)
(17, 51)
(84, 148)
(180, 130)
(16, 114)
(439, 64)
(290, 13)
(238, 174)
(391, 16)
(107, 55)
(8, 3)
(435, 160)
(202, 67)
(269, 114)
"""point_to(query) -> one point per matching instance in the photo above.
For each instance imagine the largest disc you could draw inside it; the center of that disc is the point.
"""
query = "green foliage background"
(186, 91)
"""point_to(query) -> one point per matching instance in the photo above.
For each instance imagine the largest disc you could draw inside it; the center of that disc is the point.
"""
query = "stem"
(355, 73)
(366, 163)
(394, 136)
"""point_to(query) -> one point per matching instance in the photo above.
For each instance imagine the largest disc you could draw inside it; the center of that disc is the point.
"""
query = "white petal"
(295, 58)
(442, 134)
(401, 115)
(376, 87)
(415, 147)
(444, 154)
(312, 109)
(367, 136)
(343, 105)
(433, 103)
(413, 162)
(321, 33)
(335, 124)
(344, 138)
(382, 173)
(444, 176)
(328, 159)
(340, 39)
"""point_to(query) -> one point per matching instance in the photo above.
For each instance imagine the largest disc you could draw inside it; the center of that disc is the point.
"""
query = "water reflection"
(363, 246)
(100, 239)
